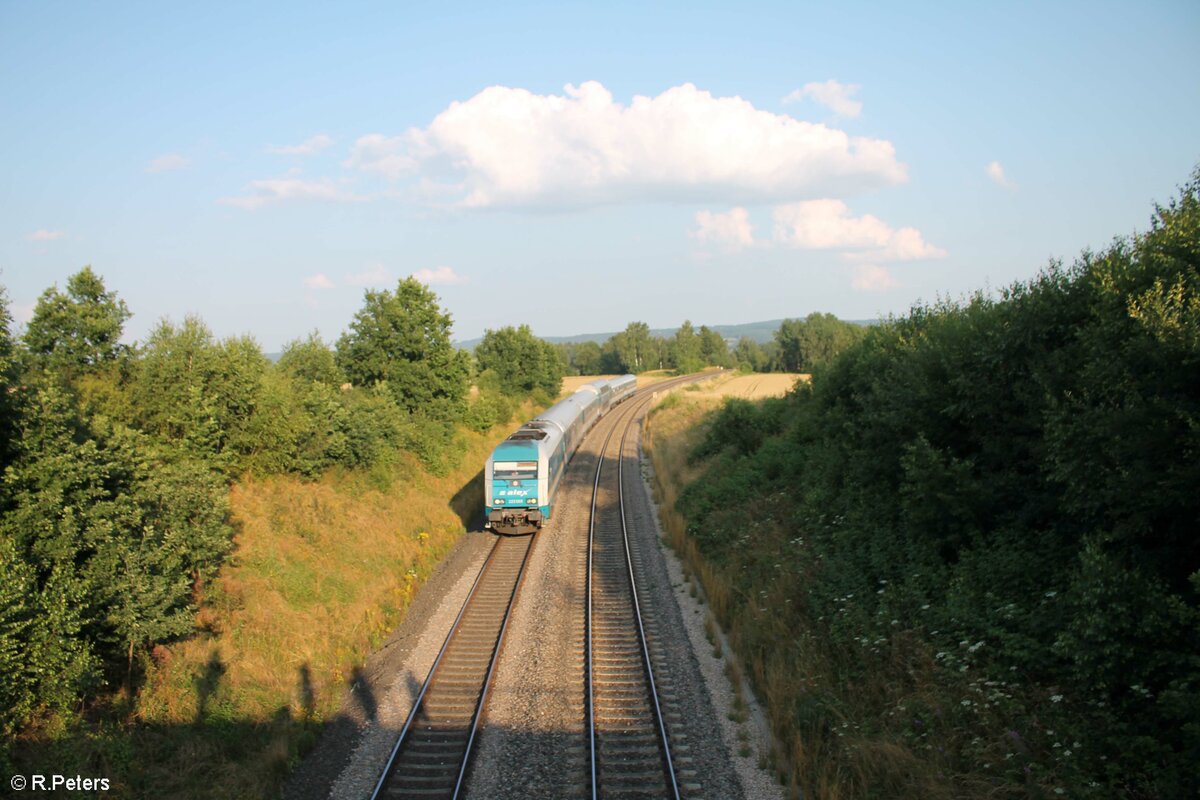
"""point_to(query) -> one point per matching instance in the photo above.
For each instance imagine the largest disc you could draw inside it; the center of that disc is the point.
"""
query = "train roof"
(564, 412)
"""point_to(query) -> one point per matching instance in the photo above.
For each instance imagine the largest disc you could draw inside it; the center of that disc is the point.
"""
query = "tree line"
(116, 460)
(799, 345)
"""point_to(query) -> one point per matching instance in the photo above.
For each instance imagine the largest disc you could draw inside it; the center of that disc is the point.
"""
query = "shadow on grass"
(467, 503)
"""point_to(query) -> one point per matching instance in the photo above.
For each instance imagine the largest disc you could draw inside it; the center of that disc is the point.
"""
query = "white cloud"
(289, 189)
(168, 162)
(308, 147)
(996, 173)
(44, 235)
(873, 278)
(835, 96)
(511, 147)
(732, 229)
(827, 225)
(318, 281)
(390, 156)
(377, 275)
(438, 275)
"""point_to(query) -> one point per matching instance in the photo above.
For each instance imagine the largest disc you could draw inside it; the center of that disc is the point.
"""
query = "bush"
(1012, 480)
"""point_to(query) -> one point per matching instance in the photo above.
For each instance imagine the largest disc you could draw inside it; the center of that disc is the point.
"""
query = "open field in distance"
(755, 386)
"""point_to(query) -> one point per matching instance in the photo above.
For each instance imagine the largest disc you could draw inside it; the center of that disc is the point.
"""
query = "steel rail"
(637, 615)
(627, 420)
(418, 703)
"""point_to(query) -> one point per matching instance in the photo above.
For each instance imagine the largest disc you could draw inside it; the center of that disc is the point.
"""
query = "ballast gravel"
(532, 743)
(354, 747)
(745, 742)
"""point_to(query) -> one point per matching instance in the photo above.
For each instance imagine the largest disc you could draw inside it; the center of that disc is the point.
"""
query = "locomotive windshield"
(506, 470)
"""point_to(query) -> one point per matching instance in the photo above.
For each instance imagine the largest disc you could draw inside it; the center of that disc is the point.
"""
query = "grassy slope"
(321, 573)
(844, 725)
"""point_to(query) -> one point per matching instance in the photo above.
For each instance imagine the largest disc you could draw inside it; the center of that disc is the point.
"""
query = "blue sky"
(577, 167)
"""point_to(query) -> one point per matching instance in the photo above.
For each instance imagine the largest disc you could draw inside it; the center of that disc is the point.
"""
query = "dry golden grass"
(321, 573)
(654, 376)
(755, 386)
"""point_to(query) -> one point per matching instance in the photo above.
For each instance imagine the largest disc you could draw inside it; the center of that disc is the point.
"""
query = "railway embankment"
(321, 573)
(961, 561)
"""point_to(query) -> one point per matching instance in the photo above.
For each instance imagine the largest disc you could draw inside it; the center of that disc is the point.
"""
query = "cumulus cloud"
(44, 235)
(376, 275)
(996, 173)
(288, 189)
(732, 229)
(828, 225)
(831, 94)
(308, 147)
(511, 147)
(168, 162)
(873, 278)
(318, 281)
(438, 275)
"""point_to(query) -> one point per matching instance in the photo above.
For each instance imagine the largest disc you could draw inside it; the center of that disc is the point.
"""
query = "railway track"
(629, 742)
(630, 748)
(431, 755)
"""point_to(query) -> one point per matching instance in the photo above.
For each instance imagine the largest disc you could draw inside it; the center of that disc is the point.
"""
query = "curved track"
(630, 748)
(629, 743)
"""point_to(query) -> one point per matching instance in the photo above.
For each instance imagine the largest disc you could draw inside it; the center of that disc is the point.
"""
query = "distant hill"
(761, 332)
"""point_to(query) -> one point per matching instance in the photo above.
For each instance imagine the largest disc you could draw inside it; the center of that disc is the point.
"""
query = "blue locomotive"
(523, 472)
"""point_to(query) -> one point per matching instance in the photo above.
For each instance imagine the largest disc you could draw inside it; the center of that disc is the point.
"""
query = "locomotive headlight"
(532, 501)
(498, 501)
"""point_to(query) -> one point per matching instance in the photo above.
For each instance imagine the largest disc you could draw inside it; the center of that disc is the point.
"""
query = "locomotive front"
(515, 490)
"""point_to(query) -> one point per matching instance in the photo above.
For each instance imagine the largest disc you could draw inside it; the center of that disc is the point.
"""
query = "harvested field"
(751, 387)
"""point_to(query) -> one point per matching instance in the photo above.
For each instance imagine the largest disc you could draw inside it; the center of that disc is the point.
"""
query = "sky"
(577, 167)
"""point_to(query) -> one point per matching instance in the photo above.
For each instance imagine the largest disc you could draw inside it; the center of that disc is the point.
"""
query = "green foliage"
(310, 360)
(632, 350)
(402, 338)
(713, 350)
(805, 345)
(491, 407)
(105, 538)
(521, 361)
(685, 349)
(750, 356)
(79, 331)
(582, 359)
(8, 369)
(199, 393)
(1012, 481)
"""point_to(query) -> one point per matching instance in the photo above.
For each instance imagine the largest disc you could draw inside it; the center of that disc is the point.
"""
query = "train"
(522, 474)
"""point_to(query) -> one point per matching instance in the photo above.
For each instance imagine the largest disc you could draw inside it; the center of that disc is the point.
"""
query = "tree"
(403, 338)
(814, 341)
(310, 359)
(633, 349)
(79, 331)
(522, 361)
(749, 355)
(586, 358)
(199, 393)
(685, 349)
(7, 377)
(713, 350)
